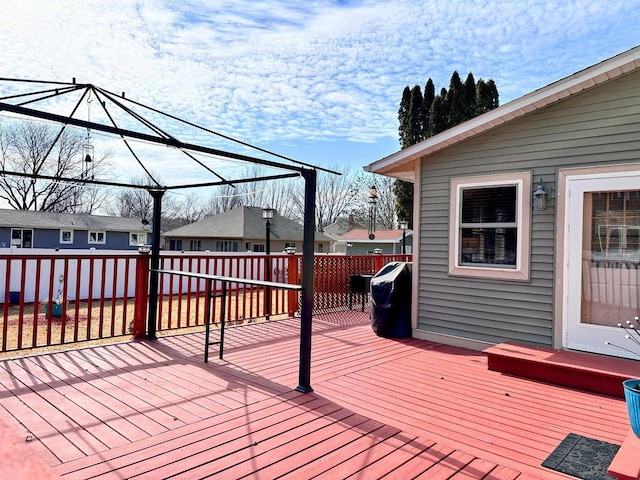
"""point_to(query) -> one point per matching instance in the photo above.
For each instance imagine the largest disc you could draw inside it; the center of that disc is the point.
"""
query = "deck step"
(586, 371)
(625, 465)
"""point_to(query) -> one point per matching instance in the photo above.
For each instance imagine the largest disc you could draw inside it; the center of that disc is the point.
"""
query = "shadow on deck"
(397, 408)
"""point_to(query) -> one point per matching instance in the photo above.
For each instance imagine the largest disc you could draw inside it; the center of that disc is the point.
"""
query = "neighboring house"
(28, 229)
(494, 264)
(335, 230)
(240, 230)
(357, 242)
(342, 226)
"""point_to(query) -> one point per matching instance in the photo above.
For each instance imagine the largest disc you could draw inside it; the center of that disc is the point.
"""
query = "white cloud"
(288, 71)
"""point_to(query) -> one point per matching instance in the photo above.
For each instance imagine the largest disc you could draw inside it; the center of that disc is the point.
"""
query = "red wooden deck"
(381, 408)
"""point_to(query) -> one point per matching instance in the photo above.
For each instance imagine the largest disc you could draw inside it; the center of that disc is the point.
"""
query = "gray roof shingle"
(242, 222)
(74, 221)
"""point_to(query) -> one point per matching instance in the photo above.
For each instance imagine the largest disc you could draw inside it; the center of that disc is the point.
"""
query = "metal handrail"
(209, 279)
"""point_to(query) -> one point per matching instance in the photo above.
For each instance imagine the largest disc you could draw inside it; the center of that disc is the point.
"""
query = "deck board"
(156, 445)
(113, 398)
(109, 410)
(381, 408)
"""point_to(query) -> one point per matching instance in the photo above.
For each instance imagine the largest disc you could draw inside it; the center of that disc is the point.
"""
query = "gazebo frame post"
(155, 264)
(306, 310)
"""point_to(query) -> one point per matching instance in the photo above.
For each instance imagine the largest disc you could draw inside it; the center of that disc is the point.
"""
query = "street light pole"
(373, 200)
(404, 224)
(268, 238)
(267, 214)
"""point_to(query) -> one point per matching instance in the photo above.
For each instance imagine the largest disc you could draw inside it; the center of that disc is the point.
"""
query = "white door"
(602, 262)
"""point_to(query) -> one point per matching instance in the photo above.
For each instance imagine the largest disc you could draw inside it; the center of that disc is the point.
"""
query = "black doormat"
(582, 457)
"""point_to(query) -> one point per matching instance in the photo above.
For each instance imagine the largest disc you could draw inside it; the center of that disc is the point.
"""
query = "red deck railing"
(54, 299)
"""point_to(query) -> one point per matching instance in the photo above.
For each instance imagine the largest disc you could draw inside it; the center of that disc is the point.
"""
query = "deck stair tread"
(625, 465)
(587, 371)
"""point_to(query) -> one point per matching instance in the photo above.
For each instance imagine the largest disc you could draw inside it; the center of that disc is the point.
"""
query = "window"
(227, 246)
(66, 236)
(22, 238)
(489, 226)
(258, 247)
(195, 245)
(97, 237)
(137, 239)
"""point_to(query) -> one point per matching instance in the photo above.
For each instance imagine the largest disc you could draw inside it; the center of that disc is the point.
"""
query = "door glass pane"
(610, 257)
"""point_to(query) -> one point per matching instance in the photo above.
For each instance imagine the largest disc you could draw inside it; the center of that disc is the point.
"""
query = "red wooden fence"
(56, 299)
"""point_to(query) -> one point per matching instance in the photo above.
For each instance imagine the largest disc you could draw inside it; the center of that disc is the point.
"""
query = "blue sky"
(318, 81)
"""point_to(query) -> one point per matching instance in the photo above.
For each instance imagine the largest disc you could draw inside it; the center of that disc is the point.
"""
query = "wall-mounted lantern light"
(539, 197)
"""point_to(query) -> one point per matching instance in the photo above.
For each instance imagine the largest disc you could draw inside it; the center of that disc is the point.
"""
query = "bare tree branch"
(23, 149)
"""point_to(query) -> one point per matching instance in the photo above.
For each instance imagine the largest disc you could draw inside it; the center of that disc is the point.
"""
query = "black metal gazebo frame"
(15, 105)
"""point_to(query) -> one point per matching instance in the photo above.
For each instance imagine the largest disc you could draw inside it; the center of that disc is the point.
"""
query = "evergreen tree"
(403, 118)
(414, 132)
(436, 114)
(429, 95)
(413, 118)
(404, 200)
(493, 89)
(455, 100)
(484, 99)
(469, 97)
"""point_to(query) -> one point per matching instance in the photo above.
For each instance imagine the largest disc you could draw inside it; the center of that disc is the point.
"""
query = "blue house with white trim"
(28, 229)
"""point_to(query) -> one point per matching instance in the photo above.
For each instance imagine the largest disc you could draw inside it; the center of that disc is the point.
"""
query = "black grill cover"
(391, 301)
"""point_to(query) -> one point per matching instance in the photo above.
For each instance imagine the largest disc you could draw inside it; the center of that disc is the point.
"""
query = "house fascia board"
(400, 164)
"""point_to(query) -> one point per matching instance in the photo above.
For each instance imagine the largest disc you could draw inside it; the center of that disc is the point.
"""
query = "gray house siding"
(50, 238)
(46, 238)
(114, 241)
(368, 248)
(276, 246)
(359, 249)
(599, 126)
(47, 227)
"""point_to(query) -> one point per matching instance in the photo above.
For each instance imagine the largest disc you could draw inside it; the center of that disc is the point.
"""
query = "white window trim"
(97, 242)
(522, 180)
(139, 234)
(62, 231)
(22, 230)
